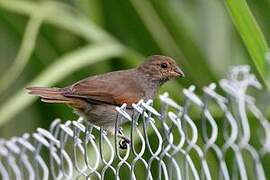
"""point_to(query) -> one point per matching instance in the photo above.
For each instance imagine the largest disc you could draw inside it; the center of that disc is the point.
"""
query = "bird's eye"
(163, 65)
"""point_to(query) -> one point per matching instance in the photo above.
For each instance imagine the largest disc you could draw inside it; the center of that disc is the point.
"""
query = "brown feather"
(50, 95)
(110, 88)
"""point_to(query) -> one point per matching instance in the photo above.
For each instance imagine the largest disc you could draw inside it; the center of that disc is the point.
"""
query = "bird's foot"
(124, 142)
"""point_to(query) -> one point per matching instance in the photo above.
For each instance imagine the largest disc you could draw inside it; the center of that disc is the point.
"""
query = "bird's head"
(161, 68)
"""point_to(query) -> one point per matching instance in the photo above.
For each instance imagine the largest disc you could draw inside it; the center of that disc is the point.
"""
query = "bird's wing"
(115, 88)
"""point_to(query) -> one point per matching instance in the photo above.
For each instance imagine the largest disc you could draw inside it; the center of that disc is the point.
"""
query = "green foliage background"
(55, 43)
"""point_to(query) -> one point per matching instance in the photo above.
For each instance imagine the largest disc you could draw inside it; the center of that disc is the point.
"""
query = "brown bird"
(96, 97)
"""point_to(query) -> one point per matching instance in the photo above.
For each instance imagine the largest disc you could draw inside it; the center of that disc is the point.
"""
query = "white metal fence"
(165, 143)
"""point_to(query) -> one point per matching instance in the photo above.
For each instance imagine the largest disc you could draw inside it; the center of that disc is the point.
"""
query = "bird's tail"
(49, 95)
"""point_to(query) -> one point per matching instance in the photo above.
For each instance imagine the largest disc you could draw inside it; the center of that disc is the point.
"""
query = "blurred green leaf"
(26, 49)
(59, 15)
(62, 67)
(252, 36)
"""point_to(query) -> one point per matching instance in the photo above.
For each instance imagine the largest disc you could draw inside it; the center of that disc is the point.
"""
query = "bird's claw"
(124, 142)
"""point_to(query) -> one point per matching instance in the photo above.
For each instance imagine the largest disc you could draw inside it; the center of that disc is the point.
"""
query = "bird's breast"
(150, 91)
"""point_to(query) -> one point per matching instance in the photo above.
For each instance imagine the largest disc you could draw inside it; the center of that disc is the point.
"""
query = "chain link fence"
(164, 144)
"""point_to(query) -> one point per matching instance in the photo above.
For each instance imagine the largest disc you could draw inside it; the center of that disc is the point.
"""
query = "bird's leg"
(123, 143)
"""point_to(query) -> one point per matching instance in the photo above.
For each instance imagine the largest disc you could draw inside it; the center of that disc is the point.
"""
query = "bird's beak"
(177, 72)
